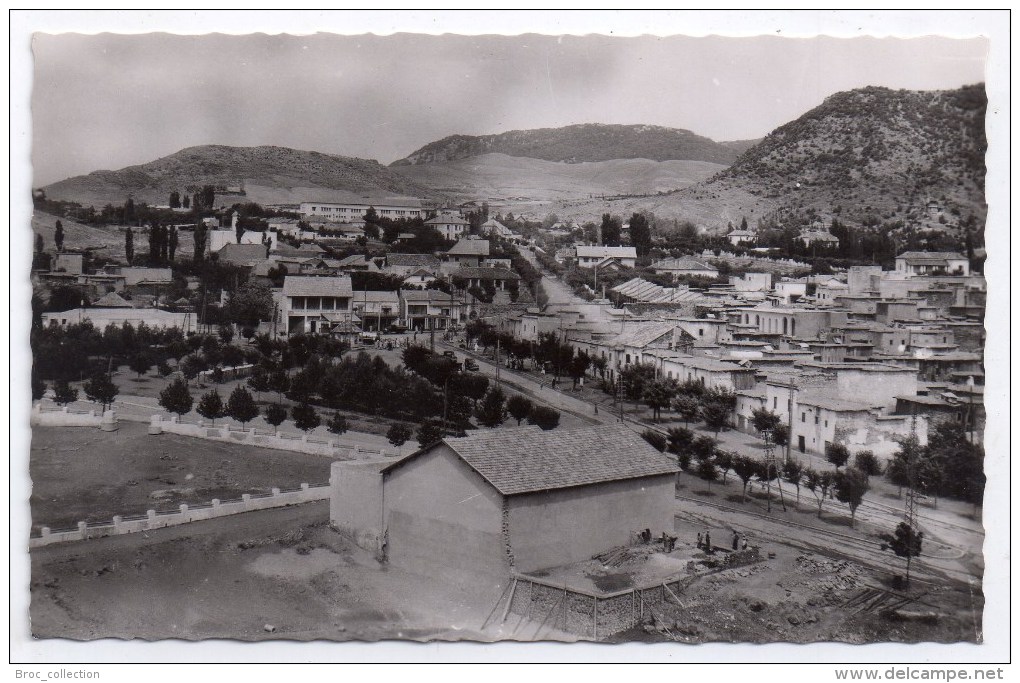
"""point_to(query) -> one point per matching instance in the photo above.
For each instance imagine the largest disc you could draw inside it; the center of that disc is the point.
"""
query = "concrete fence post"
(276, 491)
(151, 514)
(215, 502)
(304, 437)
(117, 522)
(63, 409)
(45, 531)
(109, 423)
(155, 425)
(304, 487)
(83, 529)
(184, 509)
(356, 450)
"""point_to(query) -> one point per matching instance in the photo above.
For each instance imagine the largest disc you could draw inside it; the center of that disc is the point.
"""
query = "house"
(737, 237)
(217, 239)
(450, 226)
(709, 372)
(913, 263)
(70, 263)
(495, 229)
(313, 304)
(405, 264)
(118, 314)
(591, 256)
(376, 310)
(818, 234)
(419, 278)
(468, 252)
(431, 309)
(242, 254)
(505, 500)
(342, 212)
(496, 279)
(752, 282)
(678, 267)
(804, 323)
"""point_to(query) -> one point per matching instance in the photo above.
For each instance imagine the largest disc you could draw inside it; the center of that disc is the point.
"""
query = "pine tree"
(398, 434)
(492, 411)
(172, 243)
(210, 406)
(337, 424)
(63, 393)
(129, 246)
(176, 398)
(101, 389)
(275, 414)
(305, 417)
(58, 236)
(241, 406)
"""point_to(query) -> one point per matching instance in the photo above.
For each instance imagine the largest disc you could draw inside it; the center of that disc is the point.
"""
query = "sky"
(108, 101)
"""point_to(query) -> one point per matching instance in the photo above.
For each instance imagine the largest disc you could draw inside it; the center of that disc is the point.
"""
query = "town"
(558, 429)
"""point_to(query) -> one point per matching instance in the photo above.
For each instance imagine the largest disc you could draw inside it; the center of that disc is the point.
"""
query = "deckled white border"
(623, 23)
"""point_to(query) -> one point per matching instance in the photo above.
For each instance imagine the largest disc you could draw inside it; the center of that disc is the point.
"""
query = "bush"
(658, 441)
(544, 417)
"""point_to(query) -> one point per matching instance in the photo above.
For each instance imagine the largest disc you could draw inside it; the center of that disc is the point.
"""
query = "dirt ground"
(271, 574)
(87, 474)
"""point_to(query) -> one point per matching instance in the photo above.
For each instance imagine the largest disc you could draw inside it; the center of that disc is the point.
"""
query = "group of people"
(705, 542)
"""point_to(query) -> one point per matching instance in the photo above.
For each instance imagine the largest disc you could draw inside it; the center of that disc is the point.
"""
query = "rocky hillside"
(268, 174)
(871, 152)
(579, 143)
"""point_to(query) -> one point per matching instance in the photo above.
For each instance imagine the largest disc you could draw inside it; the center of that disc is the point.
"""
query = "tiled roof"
(683, 264)
(418, 260)
(467, 247)
(316, 286)
(447, 220)
(934, 255)
(484, 273)
(606, 252)
(649, 292)
(111, 300)
(242, 253)
(519, 461)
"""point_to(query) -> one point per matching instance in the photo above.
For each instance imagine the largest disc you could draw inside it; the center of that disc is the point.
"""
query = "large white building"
(591, 256)
(347, 212)
(313, 305)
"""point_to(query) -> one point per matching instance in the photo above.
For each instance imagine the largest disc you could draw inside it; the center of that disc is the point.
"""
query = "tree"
(175, 200)
(201, 233)
(657, 441)
(191, 366)
(492, 411)
(429, 432)
(210, 406)
(38, 387)
(337, 424)
(129, 246)
(251, 303)
(176, 398)
(640, 234)
(818, 484)
(611, 230)
(707, 470)
(275, 414)
(519, 407)
(793, 470)
(850, 485)
(101, 389)
(398, 434)
(687, 407)
(745, 468)
(680, 440)
(906, 542)
(140, 363)
(305, 417)
(658, 394)
(39, 244)
(724, 461)
(186, 201)
(867, 462)
(715, 416)
(63, 393)
(241, 406)
(172, 243)
(258, 380)
(544, 417)
(837, 454)
(765, 420)
(578, 366)
(279, 381)
(58, 236)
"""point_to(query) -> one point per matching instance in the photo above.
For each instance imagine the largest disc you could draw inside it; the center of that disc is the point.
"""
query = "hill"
(866, 155)
(740, 146)
(269, 175)
(499, 179)
(869, 153)
(579, 143)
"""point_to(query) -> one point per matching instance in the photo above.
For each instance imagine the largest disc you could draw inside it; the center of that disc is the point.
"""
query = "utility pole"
(497, 360)
(770, 465)
(910, 514)
(789, 425)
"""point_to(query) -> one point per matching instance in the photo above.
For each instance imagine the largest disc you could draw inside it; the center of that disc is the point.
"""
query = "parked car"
(470, 364)
(450, 354)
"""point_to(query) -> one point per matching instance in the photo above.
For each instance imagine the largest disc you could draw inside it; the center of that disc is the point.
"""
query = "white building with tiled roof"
(591, 256)
(313, 305)
(450, 226)
(508, 500)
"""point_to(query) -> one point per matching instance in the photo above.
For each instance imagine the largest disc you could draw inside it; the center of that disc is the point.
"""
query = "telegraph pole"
(770, 465)
(910, 514)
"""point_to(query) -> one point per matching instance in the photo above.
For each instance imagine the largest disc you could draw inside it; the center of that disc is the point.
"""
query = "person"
(708, 542)
(736, 540)
(699, 539)
(743, 546)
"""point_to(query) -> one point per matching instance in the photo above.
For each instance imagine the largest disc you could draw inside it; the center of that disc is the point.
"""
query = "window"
(775, 402)
(826, 423)
(803, 417)
(297, 302)
(816, 419)
(701, 332)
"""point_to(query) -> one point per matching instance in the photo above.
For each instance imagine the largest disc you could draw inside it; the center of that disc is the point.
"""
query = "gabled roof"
(111, 300)
(417, 260)
(516, 461)
(683, 264)
(938, 255)
(297, 285)
(447, 219)
(485, 273)
(466, 247)
(649, 292)
(242, 253)
(606, 252)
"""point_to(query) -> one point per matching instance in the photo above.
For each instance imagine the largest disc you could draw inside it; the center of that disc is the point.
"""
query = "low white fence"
(64, 417)
(299, 443)
(183, 515)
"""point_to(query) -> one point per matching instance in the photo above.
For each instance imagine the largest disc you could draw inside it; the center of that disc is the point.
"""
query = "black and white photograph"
(545, 336)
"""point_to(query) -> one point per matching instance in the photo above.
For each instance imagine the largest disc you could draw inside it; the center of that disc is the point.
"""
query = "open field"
(80, 473)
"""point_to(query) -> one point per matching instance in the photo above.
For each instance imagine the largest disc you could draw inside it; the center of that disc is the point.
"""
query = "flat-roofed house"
(317, 305)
